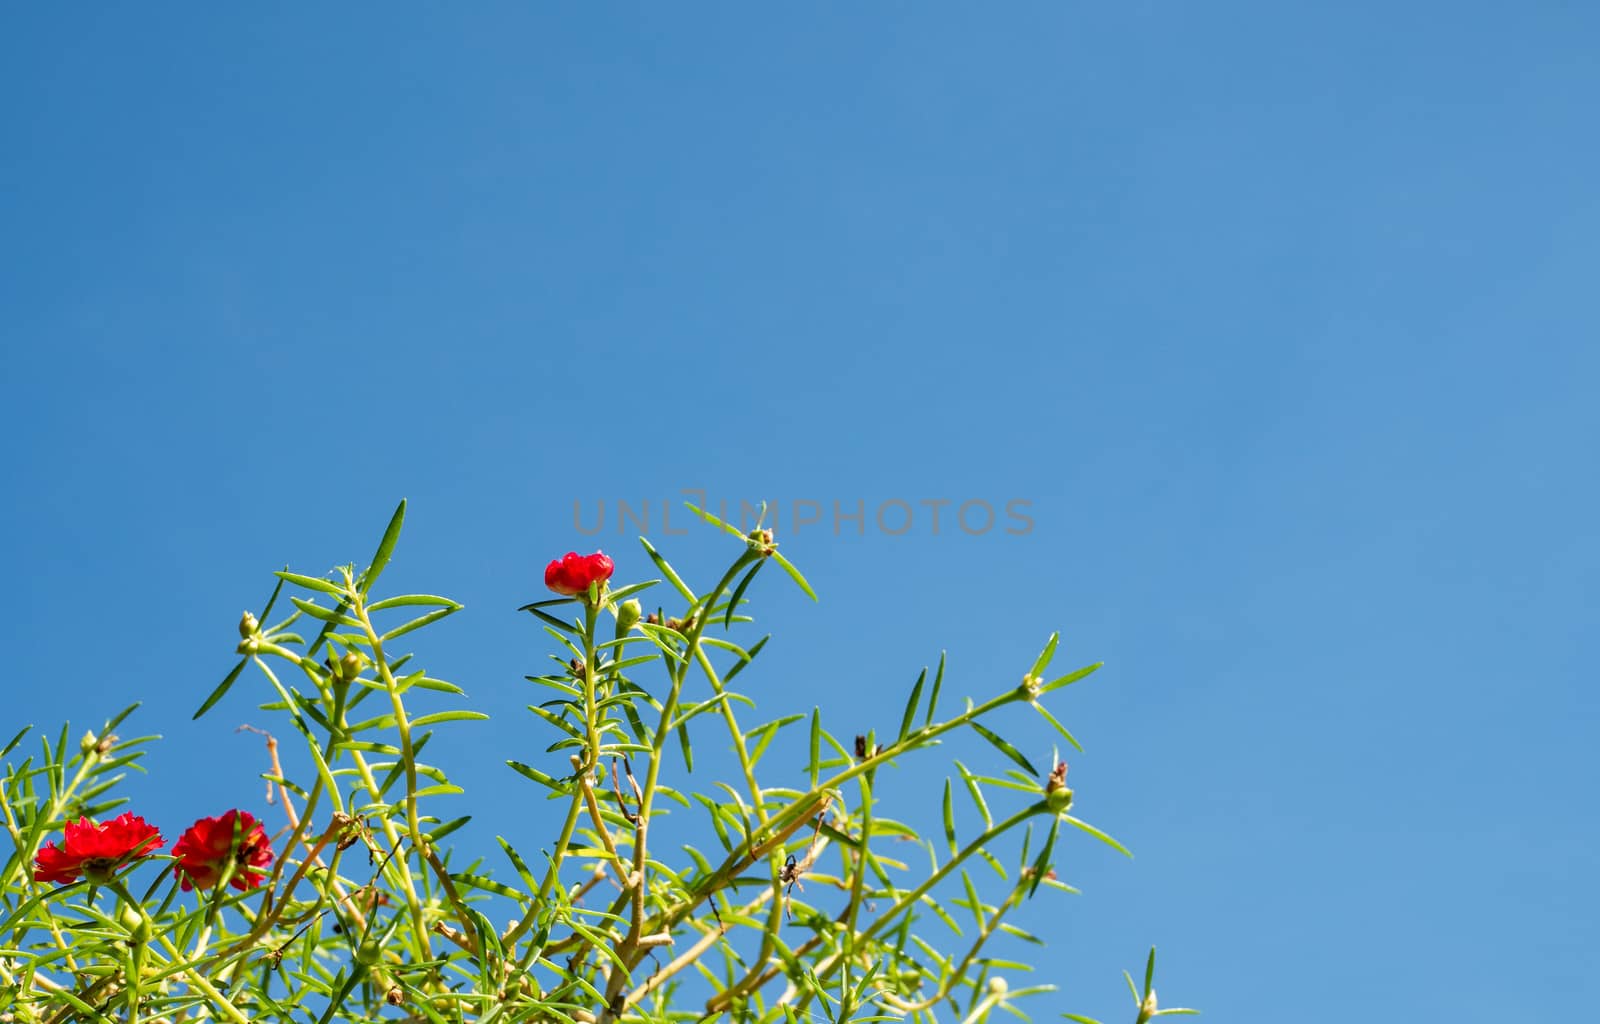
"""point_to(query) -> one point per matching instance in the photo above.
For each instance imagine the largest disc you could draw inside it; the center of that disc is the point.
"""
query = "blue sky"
(1281, 319)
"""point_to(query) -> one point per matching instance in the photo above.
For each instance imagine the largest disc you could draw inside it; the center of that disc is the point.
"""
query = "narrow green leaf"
(1149, 972)
(1071, 677)
(406, 600)
(814, 768)
(933, 696)
(794, 574)
(1043, 661)
(687, 748)
(911, 706)
(667, 571)
(418, 623)
(530, 772)
(1004, 748)
(972, 898)
(309, 582)
(1104, 838)
(546, 617)
(216, 695)
(15, 740)
(1042, 866)
(448, 716)
(977, 794)
(445, 829)
(1059, 727)
(949, 819)
(738, 593)
(385, 548)
(488, 885)
(316, 611)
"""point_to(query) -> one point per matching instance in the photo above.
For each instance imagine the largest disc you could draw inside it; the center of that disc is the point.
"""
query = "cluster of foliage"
(359, 910)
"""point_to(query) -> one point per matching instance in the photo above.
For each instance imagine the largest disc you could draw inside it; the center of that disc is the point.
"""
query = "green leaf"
(445, 829)
(977, 794)
(933, 696)
(418, 623)
(1085, 826)
(738, 593)
(794, 574)
(1042, 865)
(949, 819)
(216, 695)
(688, 750)
(316, 611)
(1043, 661)
(488, 885)
(530, 772)
(277, 588)
(1149, 972)
(385, 548)
(814, 768)
(546, 617)
(1070, 678)
(405, 600)
(911, 706)
(1005, 748)
(309, 582)
(448, 716)
(518, 863)
(15, 740)
(972, 898)
(667, 571)
(1059, 727)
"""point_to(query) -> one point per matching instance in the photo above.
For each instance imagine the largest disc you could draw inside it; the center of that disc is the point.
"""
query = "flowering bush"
(358, 908)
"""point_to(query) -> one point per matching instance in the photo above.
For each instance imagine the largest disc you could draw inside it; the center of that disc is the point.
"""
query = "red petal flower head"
(96, 851)
(572, 573)
(206, 851)
(599, 566)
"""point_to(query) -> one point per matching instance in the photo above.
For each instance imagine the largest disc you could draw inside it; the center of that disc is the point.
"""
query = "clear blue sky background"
(1283, 317)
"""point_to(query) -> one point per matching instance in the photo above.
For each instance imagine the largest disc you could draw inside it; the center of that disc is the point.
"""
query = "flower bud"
(136, 923)
(247, 626)
(628, 615)
(349, 666)
(998, 986)
(368, 953)
(1059, 800)
(88, 744)
(1149, 1007)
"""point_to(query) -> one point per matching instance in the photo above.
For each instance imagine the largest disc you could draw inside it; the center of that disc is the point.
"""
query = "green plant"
(367, 913)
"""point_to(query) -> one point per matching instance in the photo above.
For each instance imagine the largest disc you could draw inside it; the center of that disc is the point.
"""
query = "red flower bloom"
(96, 850)
(573, 573)
(211, 844)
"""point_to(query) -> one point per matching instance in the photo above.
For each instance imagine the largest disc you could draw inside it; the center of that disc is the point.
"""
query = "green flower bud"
(998, 986)
(369, 953)
(247, 626)
(137, 924)
(1059, 800)
(628, 614)
(350, 666)
(89, 742)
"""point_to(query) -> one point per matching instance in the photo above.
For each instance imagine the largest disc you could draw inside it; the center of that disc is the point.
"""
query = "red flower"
(96, 850)
(573, 573)
(210, 845)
